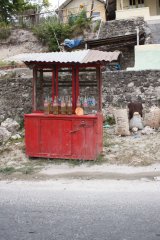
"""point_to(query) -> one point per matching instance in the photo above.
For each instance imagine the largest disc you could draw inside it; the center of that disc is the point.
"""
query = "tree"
(8, 8)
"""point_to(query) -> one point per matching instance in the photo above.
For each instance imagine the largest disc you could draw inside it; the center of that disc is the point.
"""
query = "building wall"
(147, 57)
(74, 7)
(153, 5)
(133, 12)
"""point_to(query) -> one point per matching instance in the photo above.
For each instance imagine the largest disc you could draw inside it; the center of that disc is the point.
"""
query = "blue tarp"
(71, 43)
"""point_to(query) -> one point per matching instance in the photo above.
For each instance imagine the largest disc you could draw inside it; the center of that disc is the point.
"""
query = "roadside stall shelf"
(65, 136)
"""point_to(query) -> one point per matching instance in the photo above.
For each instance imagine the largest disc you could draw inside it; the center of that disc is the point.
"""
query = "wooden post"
(56, 80)
(73, 88)
(99, 81)
(77, 82)
(34, 105)
(53, 82)
(41, 90)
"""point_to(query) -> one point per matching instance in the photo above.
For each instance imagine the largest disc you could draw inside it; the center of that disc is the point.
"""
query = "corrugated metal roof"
(81, 57)
(121, 40)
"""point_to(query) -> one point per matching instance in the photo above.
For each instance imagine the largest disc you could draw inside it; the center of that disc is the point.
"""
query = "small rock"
(130, 85)
(134, 129)
(11, 125)
(16, 136)
(157, 178)
(2, 73)
(147, 131)
(4, 134)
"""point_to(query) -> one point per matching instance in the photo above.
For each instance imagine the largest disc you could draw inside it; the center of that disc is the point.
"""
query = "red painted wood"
(53, 85)
(55, 137)
(64, 136)
(32, 136)
(34, 80)
(100, 132)
(84, 139)
(73, 90)
(99, 79)
(57, 80)
(77, 84)
(59, 136)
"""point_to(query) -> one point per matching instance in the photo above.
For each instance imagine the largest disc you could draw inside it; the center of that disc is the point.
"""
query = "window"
(132, 2)
(136, 3)
(96, 14)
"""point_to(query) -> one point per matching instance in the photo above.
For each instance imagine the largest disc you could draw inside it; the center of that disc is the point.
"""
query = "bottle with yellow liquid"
(63, 106)
(46, 106)
(69, 106)
(55, 106)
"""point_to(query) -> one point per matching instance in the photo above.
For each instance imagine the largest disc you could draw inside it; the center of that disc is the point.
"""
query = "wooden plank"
(99, 79)
(34, 80)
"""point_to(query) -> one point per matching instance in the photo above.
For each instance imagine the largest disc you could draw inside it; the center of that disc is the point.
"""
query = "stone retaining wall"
(119, 87)
(15, 98)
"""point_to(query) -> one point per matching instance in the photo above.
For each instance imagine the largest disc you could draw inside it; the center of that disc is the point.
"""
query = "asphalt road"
(84, 210)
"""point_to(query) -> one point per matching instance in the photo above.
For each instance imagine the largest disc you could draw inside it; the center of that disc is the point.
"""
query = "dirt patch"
(134, 150)
(20, 41)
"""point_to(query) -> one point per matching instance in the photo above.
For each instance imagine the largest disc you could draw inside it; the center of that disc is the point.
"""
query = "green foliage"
(79, 22)
(7, 170)
(110, 120)
(52, 30)
(5, 31)
(9, 8)
(97, 25)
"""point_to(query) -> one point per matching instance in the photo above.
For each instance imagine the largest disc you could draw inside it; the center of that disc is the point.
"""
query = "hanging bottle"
(69, 106)
(55, 105)
(63, 106)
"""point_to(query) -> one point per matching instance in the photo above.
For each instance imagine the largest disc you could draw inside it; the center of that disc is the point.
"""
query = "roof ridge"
(65, 3)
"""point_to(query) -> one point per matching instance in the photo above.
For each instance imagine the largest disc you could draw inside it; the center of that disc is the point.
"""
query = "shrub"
(5, 31)
(51, 31)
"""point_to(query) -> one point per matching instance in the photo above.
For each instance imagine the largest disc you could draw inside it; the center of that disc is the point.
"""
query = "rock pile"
(8, 129)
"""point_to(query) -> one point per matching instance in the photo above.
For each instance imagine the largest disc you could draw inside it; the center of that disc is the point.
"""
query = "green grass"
(7, 170)
(26, 170)
(7, 64)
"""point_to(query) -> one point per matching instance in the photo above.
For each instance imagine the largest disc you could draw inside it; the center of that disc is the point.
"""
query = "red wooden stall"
(61, 135)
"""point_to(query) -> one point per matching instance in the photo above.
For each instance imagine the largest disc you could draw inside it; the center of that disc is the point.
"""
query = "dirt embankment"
(20, 41)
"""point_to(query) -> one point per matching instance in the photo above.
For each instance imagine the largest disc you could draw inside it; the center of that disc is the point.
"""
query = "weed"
(26, 170)
(5, 31)
(110, 120)
(99, 160)
(7, 170)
